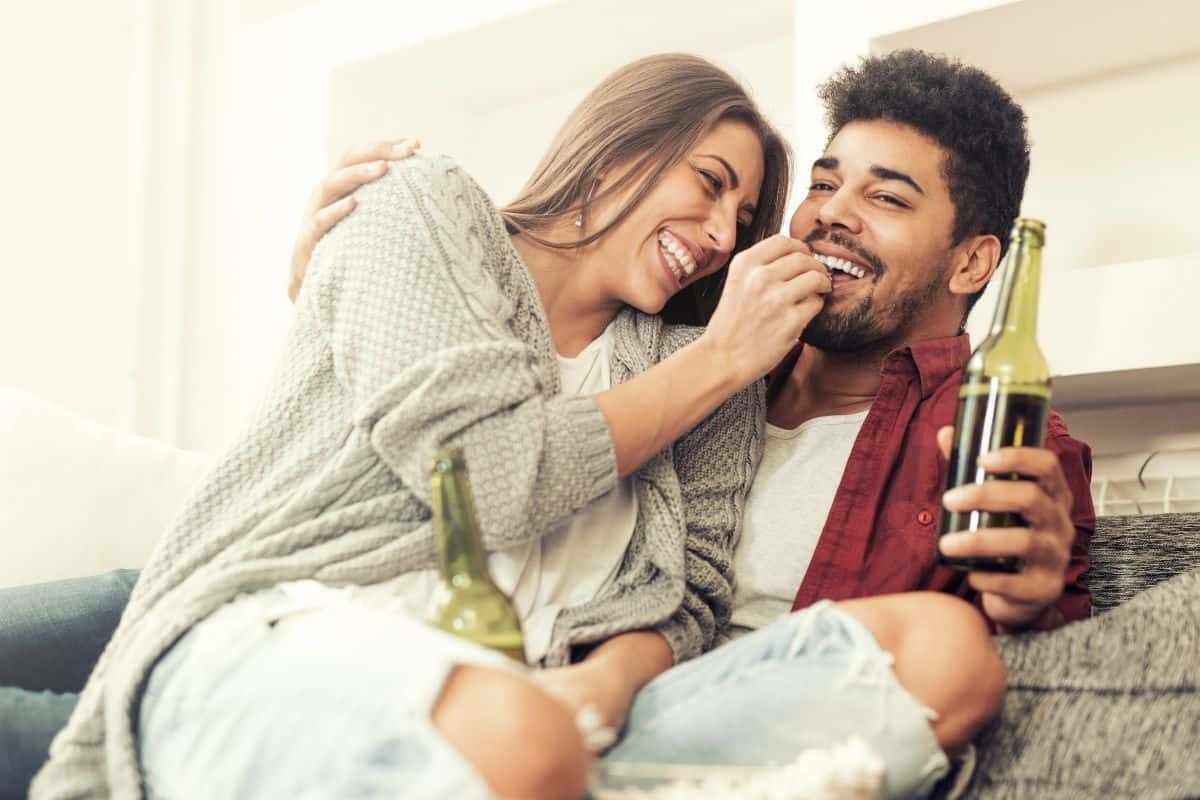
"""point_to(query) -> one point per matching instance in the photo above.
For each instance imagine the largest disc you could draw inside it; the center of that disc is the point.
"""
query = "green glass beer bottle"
(1005, 393)
(465, 601)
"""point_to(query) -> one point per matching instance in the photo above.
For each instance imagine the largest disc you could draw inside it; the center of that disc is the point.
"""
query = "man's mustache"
(849, 245)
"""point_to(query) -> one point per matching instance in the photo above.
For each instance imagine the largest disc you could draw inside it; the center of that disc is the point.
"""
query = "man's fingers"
(1023, 497)
(327, 217)
(945, 440)
(1033, 547)
(1037, 463)
(296, 279)
(346, 180)
(1008, 611)
(1031, 586)
(379, 151)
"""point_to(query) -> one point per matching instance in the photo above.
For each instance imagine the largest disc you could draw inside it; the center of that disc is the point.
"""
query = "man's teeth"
(841, 264)
(678, 257)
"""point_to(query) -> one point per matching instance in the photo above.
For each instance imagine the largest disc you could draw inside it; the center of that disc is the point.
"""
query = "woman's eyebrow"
(733, 176)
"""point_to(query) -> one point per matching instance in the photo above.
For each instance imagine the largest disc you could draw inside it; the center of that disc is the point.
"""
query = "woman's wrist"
(717, 365)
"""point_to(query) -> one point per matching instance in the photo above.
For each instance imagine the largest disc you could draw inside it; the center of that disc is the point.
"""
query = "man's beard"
(862, 328)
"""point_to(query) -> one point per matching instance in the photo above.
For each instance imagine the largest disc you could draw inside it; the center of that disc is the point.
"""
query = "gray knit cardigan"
(420, 326)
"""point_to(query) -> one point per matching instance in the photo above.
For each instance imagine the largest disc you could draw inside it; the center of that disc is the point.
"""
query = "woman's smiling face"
(687, 226)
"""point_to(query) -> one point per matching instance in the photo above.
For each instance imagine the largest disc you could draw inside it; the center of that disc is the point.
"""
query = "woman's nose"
(721, 231)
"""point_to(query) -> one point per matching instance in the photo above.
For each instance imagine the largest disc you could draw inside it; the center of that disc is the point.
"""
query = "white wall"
(1109, 206)
(165, 150)
(264, 146)
(500, 139)
(68, 283)
(275, 116)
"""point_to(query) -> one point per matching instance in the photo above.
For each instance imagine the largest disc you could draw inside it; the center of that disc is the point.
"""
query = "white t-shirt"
(785, 514)
(566, 567)
(571, 565)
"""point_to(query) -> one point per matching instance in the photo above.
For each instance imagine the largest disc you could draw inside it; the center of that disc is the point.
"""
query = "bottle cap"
(446, 459)
(1027, 226)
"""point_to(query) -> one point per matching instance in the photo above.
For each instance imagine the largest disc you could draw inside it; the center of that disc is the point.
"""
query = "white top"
(574, 563)
(568, 566)
(785, 514)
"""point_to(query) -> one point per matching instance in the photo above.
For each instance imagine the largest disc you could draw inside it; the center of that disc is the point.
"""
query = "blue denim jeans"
(336, 704)
(811, 680)
(259, 702)
(51, 635)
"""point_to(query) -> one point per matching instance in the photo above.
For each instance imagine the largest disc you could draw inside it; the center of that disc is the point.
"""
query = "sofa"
(1104, 708)
(78, 498)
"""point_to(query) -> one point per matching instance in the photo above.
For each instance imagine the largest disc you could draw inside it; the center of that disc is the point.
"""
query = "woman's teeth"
(677, 256)
(841, 264)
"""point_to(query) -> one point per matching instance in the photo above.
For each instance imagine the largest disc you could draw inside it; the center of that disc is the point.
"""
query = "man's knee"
(520, 740)
(944, 656)
(956, 665)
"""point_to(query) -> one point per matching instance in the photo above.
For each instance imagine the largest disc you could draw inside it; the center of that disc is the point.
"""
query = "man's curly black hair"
(977, 123)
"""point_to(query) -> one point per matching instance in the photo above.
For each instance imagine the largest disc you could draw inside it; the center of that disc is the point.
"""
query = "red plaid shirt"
(880, 533)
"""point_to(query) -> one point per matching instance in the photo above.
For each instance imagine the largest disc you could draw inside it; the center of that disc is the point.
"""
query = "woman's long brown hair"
(648, 115)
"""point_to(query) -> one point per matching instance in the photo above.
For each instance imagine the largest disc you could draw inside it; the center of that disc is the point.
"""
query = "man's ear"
(976, 262)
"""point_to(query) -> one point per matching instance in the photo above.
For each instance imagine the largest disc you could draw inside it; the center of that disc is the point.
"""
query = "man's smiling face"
(878, 200)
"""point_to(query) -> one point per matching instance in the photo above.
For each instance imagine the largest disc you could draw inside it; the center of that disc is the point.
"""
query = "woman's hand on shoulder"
(332, 200)
(772, 291)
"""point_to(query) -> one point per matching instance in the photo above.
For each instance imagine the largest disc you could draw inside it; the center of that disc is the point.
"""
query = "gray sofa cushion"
(1129, 554)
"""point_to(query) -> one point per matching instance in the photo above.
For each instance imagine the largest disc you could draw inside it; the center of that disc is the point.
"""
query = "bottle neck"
(460, 552)
(1017, 306)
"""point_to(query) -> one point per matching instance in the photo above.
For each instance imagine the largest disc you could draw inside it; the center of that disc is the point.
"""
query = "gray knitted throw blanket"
(420, 326)
(1107, 707)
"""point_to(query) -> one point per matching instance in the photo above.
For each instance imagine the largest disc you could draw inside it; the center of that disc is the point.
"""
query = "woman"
(429, 319)
(424, 321)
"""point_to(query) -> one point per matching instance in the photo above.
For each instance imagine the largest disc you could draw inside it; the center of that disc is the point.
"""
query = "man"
(910, 208)
(918, 189)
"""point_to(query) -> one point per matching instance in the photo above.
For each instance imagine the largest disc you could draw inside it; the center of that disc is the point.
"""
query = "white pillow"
(77, 498)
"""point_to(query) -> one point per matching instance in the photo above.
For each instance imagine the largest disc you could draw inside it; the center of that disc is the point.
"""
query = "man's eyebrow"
(892, 175)
(825, 163)
(733, 176)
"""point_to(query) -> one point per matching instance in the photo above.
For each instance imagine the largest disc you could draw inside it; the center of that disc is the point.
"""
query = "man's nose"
(838, 212)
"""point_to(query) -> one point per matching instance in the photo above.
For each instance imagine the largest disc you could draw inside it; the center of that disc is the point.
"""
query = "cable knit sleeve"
(716, 463)
(407, 291)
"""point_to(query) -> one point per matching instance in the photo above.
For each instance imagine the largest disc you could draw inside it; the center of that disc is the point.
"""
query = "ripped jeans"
(812, 679)
(336, 703)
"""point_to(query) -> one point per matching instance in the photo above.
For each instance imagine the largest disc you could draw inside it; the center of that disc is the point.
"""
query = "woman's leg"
(817, 678)
(52, 634)
(518, 738)
(29, 721)
(334, 704)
